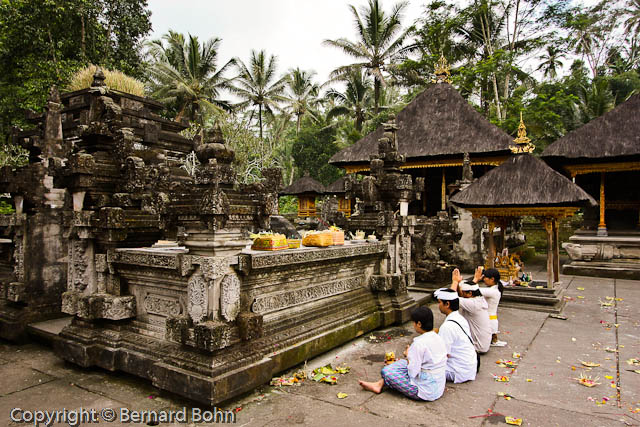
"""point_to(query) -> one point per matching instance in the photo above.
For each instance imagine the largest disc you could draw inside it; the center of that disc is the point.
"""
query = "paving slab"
(535, 414)
(16, 378)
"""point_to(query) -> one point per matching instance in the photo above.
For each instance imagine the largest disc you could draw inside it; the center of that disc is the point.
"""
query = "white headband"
(465, 286)
(445, 295)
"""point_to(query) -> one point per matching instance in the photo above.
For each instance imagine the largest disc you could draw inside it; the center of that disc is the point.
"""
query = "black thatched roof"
(337, 187)
(522, 180)
(437, 122)
(614, 134)
(306, 184)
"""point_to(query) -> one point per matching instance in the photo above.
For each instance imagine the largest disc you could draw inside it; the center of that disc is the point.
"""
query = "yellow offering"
(337, 234)
(320, 239)
(269, 242)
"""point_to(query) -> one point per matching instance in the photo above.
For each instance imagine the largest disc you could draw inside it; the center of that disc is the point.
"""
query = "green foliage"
(184, 75)
(6, 208)
(314, 146)
(12, 155)
(288, 205)
(43, 42)
(258, 85)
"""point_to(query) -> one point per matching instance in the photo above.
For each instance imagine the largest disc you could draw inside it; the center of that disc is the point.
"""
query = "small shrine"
(307, 190)
(603, 157)
(524, 185)
(338, 189)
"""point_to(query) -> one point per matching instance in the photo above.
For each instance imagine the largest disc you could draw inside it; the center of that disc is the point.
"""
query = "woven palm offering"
(269, 242)
(320, 239)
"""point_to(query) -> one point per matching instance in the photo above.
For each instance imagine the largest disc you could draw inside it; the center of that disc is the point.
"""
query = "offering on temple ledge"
(269, 242)
(320, 239)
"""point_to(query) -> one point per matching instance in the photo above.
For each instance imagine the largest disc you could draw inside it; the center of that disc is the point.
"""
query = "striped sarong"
(396, 376)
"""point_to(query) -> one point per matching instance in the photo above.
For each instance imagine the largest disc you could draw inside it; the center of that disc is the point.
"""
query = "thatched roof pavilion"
(439, 125)
(523, 181)
(304, 185)
(337, 186)
(524, 185)
(603, 156)
(614, 135)
(307, 189)
(435, 131)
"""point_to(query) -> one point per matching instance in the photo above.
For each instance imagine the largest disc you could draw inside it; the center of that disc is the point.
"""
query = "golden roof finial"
(442, 71)
(523, 141)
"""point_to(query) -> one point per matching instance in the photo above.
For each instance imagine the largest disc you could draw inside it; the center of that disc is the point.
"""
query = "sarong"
(396, 376)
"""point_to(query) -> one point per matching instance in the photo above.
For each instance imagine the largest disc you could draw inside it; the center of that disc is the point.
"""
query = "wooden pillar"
(556, 250)
(424, 193)
(443, 192)
(602, 225)
(546, 223)
(492, 244)
(503, 234)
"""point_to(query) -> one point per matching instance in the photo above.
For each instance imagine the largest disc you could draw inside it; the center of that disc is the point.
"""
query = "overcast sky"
(293, 30)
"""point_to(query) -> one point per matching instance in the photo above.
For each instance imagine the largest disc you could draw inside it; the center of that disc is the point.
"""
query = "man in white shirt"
(462, 360)
(475, 309)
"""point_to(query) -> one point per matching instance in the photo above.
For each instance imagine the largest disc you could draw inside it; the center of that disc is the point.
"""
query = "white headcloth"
(469, 286)
(445, 295)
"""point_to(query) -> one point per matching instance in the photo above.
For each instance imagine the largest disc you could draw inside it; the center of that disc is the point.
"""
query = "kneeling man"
(462, 360)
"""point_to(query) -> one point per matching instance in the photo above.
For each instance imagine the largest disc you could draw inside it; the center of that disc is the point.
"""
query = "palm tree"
(355, 100)
(258, 85)
(185, 73)
(380, 42)
(302, 94)
(632, 24)
(595, 100)
(551, 61)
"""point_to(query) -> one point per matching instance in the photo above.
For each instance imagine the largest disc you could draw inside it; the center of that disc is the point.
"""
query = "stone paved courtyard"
(543, 387)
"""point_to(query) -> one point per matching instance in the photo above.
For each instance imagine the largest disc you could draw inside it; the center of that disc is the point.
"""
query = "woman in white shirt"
(492, 294)
(422, 375)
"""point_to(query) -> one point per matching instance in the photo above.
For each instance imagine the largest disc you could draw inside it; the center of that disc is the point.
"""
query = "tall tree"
(301, 95)
(551, 61)
(43, 42)
(258, 85)
(185, 75)
(381, 42)
(356, 99)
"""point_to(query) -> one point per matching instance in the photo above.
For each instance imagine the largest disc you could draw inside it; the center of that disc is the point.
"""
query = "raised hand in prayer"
(456, 278)
(477, 275)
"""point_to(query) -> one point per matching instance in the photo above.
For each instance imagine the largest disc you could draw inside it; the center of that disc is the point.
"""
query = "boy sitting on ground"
(422, 375)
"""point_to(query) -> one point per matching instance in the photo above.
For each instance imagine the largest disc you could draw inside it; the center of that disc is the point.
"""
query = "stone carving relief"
(162, 305)
(600, 252)
(273, 302)
(78, 265)
(230, 297)
(18, 256)
(197, 297)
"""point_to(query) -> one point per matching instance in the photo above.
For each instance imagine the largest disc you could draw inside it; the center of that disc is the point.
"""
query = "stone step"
(48, 330)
